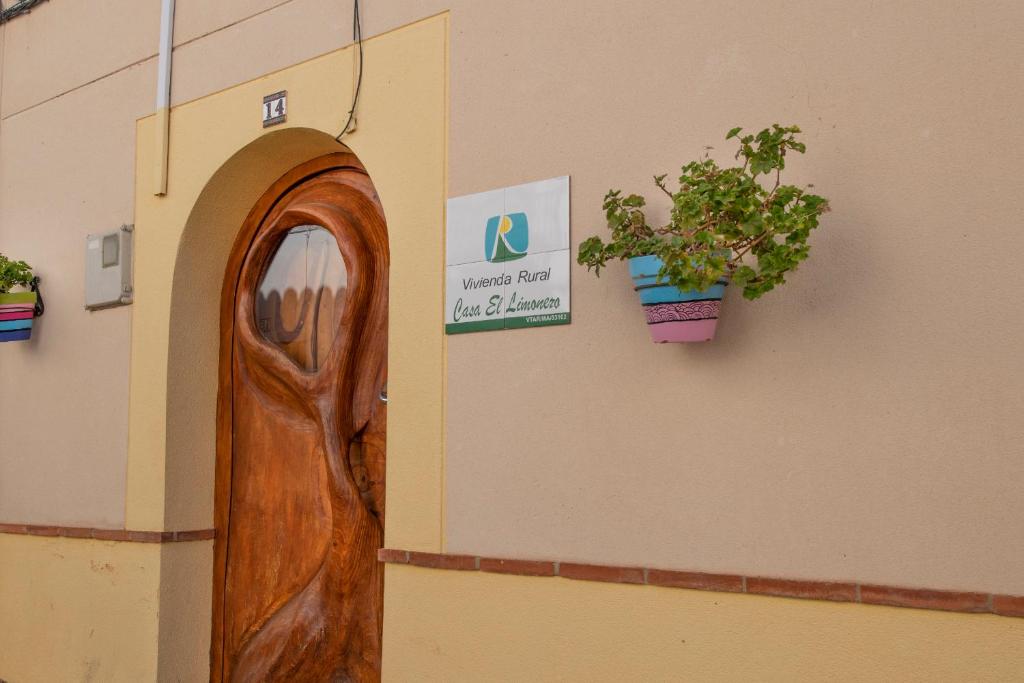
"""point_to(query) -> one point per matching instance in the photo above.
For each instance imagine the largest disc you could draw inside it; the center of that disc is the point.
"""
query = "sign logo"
(507, 237)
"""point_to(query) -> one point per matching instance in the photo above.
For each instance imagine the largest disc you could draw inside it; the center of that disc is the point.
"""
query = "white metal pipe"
(163, 94)
(163, 83)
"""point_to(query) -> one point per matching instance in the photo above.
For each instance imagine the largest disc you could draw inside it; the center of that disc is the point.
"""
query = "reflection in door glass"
(302, 295)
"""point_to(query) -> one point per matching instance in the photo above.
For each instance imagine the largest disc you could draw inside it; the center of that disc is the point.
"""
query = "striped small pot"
(673, 314)
(17, 309)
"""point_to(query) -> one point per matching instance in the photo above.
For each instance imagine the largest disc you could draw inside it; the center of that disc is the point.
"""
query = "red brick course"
(971, 602)
(595, 572)
(956, 601)
(107, 534)
(521, 567)
(726, 583)
(76, 532)
(393, 556)
(1008, 605)
(924, 599)
(196, 535)
(812, 590)
(439, 561)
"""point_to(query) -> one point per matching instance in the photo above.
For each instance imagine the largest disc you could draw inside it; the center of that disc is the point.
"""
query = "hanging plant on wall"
(737, 224)
(18, 308)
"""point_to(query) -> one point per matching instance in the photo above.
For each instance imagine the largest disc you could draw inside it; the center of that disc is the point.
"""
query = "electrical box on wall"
(108, 269)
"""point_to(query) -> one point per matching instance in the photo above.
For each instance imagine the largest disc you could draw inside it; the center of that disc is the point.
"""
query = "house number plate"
(275, 108)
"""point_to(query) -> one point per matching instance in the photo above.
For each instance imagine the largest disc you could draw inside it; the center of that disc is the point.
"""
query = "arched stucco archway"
(195, 313)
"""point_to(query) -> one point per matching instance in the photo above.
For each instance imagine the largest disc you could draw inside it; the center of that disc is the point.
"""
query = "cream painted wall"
(474, 626)
(185, 612)
(878, 436)
(78, 610)
(84, 610)
(863, 421)
(53, 51)
(860, 423)
(65, 398)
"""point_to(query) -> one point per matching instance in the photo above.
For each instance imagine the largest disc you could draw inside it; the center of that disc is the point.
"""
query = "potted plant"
(737, 224)
(17, 309)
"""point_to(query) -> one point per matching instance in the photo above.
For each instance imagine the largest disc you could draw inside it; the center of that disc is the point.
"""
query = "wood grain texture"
(299, 503)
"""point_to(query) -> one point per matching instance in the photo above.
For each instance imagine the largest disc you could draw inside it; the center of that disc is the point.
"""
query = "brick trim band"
(867, 594)
(108, 534)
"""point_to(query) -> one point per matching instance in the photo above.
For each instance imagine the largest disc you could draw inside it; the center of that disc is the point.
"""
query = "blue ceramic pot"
(673, 314)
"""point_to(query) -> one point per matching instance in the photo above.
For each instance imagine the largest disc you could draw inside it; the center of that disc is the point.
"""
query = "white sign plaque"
(275, 108)
(508, 258)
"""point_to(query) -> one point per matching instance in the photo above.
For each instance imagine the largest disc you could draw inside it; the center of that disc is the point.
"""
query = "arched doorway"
(299, 500)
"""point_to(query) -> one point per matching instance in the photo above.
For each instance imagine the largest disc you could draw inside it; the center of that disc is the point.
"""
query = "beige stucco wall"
(861, 423)
(474, 626)
(78, 610)
(65, 398)
(832, 429)
(87, 610)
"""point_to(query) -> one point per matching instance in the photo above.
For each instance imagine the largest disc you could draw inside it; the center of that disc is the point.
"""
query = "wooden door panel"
(298, 590)
(278, 534)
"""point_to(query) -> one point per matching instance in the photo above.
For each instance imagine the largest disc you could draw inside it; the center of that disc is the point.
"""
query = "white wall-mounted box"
(108, 268)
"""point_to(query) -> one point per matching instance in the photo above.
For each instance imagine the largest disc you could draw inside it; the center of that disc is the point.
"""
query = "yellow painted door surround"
(220, 160)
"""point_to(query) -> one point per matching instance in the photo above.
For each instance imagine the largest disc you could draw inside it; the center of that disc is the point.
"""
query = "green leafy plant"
(740, 222)
(13, 273)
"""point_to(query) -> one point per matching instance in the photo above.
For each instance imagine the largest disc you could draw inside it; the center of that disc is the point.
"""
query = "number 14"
(278, 109)
(275, 108)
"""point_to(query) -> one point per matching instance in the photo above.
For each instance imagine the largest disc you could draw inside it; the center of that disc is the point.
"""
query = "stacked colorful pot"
(16, 312)
(673, 314)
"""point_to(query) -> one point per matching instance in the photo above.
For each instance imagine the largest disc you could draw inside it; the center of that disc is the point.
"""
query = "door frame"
(225, 415)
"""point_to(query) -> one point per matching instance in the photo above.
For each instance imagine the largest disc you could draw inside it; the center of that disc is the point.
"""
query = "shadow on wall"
(816, 295)
(192, 372)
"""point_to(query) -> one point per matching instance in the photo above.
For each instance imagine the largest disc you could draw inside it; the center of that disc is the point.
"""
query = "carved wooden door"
(298, 590)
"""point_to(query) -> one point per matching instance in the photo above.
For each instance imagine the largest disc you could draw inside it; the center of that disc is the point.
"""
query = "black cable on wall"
(19, 7)
(357, 37)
